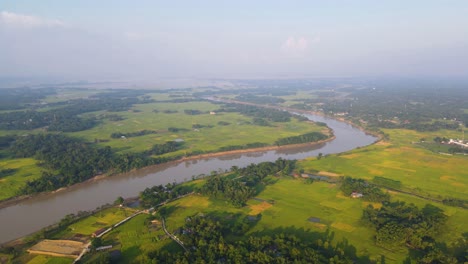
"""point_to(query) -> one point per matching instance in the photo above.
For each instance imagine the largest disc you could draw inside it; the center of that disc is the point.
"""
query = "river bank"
(103, 189)
(15, 200)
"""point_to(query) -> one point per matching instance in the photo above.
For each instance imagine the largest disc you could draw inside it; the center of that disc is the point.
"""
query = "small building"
(356, 195)
(98, 232)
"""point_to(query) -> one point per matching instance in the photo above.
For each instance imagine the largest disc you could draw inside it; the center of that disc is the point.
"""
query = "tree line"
(305, 138)
(205, 236)
(242, 186)
(132, 134)
(400, 224)
(68, 160)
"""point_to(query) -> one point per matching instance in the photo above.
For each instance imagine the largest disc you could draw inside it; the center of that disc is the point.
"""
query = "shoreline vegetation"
(15, 200)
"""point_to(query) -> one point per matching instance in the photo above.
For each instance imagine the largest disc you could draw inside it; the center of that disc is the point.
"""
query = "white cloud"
(15, 20)
(295, 45)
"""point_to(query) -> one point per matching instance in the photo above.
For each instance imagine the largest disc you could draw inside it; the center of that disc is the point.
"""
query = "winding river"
(33, 214)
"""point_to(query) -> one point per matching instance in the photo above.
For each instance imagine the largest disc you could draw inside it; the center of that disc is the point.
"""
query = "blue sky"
(232, 39)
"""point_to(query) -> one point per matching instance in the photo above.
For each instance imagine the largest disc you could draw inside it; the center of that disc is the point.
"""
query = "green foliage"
(156, 195)
(386, 182)
(205, 237)
(192, 112)
(272, 115)
(66, 118)
(369, 191)
(305, 138)
(133, 134)
(76, 161)
(242, 188)
(7, 172)
(247, 146)
(259, 99)
(397, 223)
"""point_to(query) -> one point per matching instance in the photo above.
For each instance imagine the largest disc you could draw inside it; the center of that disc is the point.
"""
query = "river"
(33, 214)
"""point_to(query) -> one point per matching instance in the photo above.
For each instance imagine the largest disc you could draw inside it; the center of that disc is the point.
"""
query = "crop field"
(419, 170)
(60, 248)
(135, 237)
(211, 137)
(295, 203)
(99, 220)
(25, 169)
(42, 259)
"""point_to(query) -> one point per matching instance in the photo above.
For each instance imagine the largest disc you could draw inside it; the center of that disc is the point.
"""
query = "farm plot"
(58, 248)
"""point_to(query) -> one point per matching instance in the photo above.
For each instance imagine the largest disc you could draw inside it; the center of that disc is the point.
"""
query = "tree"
(119, 200)
(96, 242)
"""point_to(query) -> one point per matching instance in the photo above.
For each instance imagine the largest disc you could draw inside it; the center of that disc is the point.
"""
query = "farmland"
(166, 115)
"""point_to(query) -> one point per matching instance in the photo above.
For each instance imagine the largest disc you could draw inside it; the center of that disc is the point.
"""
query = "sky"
(150, 39)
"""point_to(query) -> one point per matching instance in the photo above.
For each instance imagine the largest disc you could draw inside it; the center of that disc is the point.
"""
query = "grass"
(41, 259)
(26, 169)
(90, 224)
(134, 238)
(419, 170)
(210, 138)
(295, 202)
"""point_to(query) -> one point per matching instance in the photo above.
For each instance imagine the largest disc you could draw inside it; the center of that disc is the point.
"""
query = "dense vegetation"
(369, 191)
(401, 224)
(206, 237)
(132, 134)
(67, 160)
(156, 195)
(19, 98)
(238, 190)
(272, 115)
(305, 138)
(66, 117)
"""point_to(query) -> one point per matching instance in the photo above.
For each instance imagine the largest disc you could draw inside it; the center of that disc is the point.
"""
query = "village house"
(356, 195)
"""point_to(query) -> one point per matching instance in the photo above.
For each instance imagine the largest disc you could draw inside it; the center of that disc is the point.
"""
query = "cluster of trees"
(401, 224)
(68, 160)
(19, 98)
(305, 138)
(198, 126)
(370, 192)
(235, 191)
(6, 172)
(177, 129)
(169, 146)
(66, 117)
(386, 182)
(246, 146)
(238, 190)
(251, 98)
(272, 115)
(192, 112)
(204, 236)
(132, 134)
(404, 105)
(154, 196)
(456, 202)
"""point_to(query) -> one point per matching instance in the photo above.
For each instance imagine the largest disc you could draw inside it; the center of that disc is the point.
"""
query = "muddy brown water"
(33, 214)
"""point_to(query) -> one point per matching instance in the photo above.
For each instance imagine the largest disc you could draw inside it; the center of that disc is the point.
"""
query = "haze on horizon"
(148, 40)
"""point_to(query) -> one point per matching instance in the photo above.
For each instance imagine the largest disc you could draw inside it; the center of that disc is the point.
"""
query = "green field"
(418, 169)
(87, 226)
(209, 138)
(294, 203)
(26, 169)
(151, 116)
(134, 238)
(40, 259)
